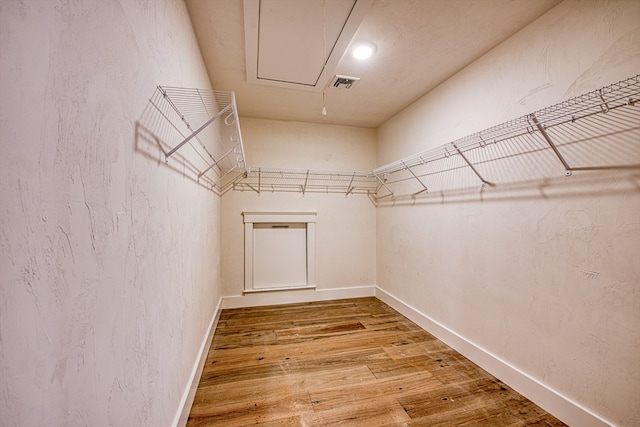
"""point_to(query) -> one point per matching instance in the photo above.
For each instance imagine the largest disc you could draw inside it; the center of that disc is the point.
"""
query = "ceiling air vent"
(344, 82)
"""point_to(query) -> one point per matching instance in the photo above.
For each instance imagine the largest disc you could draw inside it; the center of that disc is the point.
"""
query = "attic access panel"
(297, 44)
(279, 251)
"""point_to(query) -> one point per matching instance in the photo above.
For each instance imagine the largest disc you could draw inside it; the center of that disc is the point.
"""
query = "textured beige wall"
(345, 227)
(109, 262)
(546, 282)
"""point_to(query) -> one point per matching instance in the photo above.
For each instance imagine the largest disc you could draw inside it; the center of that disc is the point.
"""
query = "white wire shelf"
(307, 181)
(207, 122)
(595, 131)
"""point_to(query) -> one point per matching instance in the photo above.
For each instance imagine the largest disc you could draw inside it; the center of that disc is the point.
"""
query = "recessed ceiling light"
(363, 50)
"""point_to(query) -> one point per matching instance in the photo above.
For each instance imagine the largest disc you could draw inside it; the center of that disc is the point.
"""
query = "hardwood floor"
(353, 362)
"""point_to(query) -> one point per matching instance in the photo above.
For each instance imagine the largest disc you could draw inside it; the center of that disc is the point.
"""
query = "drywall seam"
(550, 400)
(182, 415)
(296, 296)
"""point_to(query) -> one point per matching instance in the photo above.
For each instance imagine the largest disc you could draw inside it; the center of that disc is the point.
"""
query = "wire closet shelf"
(304, 181)
(599, 130)
(212, 131)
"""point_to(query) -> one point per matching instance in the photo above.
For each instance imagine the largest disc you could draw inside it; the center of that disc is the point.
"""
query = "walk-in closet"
(320, 212)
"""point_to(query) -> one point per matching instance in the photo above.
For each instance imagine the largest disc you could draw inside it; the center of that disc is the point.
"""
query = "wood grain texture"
(354, 362)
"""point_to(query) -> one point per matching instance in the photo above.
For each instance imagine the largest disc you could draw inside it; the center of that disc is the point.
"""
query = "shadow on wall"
(200, 142)
(607, 181)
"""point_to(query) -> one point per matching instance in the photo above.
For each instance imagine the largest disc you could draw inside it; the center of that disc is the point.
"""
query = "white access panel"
(279, 251)
(280, 255)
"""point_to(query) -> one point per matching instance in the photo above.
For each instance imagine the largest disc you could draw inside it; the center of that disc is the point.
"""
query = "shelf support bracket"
(306, 179)
(604, 106)
(350, 188)
(197, 131)
(383, 184)
(545, 135)
(215, 163)
(475, 171)
(252, 187)
(224, 175)
(416, 177)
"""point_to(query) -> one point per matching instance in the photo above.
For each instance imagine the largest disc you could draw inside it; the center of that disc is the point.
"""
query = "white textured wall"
(345, 227)
(549, 285)
(109, 259)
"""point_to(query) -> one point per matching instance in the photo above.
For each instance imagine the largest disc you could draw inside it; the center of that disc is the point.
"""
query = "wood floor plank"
(354, 362)
(252, 403)
(335, 378)
(378, 411)
(470, 403)
(387, 367)
(360, 393)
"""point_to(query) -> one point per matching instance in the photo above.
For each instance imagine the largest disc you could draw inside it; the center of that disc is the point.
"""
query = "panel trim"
(251, 218)
(279, 217)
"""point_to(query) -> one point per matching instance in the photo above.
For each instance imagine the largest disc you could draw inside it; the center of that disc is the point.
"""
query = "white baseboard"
(295, 296)
(548, 399)
(181, 417)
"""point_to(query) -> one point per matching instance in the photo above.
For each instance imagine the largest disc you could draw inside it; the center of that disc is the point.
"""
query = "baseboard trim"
(296, 296)
(550, 400)
(182, 415)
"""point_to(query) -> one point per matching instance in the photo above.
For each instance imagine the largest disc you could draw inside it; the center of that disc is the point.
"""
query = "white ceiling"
(420, 43)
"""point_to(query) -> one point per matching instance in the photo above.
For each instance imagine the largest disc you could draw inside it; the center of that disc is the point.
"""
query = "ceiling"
(294, 48)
